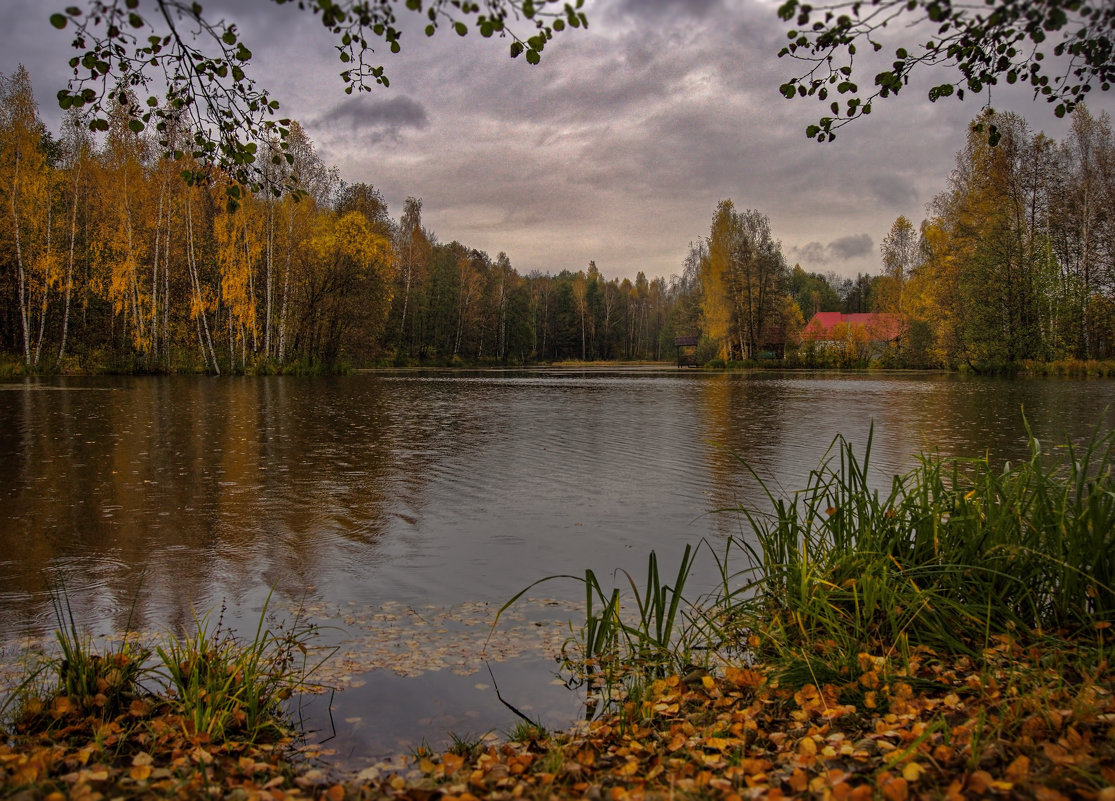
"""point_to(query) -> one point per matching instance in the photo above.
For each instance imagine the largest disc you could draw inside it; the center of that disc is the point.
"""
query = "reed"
(952, 556)
(88, 680)
(77, 680)
(222, 686)
(957, 551)
(208, 681)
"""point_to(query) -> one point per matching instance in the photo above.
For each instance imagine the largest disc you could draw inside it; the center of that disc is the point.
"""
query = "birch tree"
(25, 180)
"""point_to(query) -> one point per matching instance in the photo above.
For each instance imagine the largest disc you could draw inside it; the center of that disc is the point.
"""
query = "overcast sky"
(616, 148)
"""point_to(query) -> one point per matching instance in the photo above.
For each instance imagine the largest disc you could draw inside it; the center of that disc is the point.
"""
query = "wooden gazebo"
(687, 350)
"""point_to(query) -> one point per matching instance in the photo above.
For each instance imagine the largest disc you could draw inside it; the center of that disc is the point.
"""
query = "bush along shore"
(947, 638)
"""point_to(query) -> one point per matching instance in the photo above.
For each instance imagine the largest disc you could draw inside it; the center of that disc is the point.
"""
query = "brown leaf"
(979, 782)
(1042, 793)
(743, 677)
(896, 789)
(61, 706)
(799, 780)
(1019, 769)
(1058, 754)
(451, 763)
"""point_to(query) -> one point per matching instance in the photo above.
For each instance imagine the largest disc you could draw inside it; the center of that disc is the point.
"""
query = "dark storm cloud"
(376, 119)
(849, 247)
(810, 252)
(844, 248)
(658, 8)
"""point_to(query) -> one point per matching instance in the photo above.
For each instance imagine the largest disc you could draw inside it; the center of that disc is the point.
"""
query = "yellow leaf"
(912, 771)
(628, 768)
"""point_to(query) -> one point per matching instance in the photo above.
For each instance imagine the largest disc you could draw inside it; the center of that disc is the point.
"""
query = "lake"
(400, 509)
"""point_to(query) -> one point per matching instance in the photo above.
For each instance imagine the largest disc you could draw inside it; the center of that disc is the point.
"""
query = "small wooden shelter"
(687, 351)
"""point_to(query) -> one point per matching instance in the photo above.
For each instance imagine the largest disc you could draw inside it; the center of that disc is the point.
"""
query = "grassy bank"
(948, 636)
(202, 710)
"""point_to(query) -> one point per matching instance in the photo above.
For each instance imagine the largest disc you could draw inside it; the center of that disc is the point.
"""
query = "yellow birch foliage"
(25, 178)
(346, 247)
(120, 245)
(239, 240)
(716, 306)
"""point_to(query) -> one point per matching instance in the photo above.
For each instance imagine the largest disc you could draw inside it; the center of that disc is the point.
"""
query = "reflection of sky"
(183, 493)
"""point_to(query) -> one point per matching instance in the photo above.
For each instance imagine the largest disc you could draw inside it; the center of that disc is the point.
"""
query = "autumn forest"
(111, 261)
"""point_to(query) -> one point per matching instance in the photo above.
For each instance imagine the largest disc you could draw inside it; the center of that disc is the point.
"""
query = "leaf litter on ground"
(1009, 723)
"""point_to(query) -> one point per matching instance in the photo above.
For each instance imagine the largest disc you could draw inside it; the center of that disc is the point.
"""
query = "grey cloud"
(380, 119)
(843, 248)
(809, 252)
(659, 8)
(893, 191)
(849, 247)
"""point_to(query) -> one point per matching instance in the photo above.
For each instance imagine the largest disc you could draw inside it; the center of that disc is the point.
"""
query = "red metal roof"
(879, 326)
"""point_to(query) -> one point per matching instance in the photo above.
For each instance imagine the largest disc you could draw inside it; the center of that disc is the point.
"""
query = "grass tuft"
(221, 686)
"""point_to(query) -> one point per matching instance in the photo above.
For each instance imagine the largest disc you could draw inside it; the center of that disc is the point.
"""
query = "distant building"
(833, 327)
(867, 331)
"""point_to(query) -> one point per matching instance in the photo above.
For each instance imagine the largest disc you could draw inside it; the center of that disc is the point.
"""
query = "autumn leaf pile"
(1006, 727)
(1010, 723)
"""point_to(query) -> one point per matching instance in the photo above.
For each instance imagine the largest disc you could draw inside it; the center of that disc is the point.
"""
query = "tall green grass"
(221, 685)
(947, 556)
(659, 632)
(209, 680)
(957, 550)
(91, 681)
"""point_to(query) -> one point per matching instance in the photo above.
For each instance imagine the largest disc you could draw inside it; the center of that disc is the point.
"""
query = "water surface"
(434, 494)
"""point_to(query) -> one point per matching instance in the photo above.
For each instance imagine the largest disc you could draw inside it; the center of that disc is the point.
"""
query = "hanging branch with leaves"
(200, 66)
(984, 42)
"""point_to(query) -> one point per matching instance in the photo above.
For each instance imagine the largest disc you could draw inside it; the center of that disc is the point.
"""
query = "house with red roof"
(868, 333)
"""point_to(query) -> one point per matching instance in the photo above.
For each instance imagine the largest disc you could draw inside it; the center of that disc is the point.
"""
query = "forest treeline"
(112, 261)
(1015, 263)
